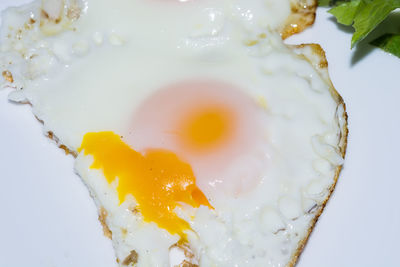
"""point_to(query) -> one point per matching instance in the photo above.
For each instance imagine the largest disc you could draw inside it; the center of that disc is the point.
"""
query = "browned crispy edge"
(102, 218)
(102, 212)
(302, 16)
(322, 66)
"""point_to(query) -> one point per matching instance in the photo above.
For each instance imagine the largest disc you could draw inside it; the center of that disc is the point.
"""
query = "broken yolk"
(157, 179)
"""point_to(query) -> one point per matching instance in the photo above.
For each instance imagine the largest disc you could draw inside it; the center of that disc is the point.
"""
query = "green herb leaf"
(365, 16)
(331, 2)
(389, 43)
(324, 2)
(346, 12)
(370, 15)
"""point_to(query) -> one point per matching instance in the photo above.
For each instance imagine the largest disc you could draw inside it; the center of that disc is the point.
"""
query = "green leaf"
(323, 2)
(346, 12)
(370, 15)
(389, 43)
(331, 2)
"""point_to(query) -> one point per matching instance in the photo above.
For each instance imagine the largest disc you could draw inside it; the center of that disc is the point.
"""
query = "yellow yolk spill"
(207, 127)
(158, 180)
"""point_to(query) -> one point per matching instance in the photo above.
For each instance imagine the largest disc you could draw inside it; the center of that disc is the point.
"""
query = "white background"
(48, 219)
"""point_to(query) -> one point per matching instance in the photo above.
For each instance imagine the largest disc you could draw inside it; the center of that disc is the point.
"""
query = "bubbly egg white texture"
(149, 70)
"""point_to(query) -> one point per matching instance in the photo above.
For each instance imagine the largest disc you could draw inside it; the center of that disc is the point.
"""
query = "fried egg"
(203, 138)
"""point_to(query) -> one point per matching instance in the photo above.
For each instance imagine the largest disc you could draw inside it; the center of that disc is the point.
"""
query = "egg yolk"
(157, 179)
(207, 127)
(215, 126)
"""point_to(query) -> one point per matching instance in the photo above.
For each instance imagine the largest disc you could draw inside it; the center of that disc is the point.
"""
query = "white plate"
(48, 218)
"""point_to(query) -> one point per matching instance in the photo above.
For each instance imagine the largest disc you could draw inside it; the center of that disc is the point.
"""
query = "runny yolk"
(207, 127)
(157, 179)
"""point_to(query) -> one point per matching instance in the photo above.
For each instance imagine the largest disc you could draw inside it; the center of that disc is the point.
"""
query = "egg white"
(94, 71)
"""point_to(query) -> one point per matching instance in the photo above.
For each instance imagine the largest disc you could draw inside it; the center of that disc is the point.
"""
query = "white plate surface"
(48, 219)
